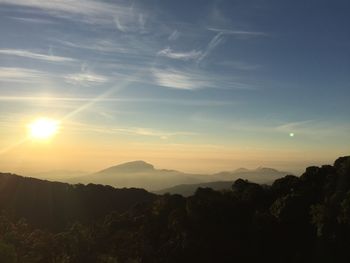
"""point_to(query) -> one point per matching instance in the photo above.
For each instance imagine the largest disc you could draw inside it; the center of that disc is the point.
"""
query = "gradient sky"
(191, 85)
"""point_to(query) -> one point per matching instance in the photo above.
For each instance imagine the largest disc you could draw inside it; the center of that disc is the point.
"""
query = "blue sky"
(177, 82)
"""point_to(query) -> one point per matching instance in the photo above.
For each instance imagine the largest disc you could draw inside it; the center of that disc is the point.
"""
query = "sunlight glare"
(43, 128)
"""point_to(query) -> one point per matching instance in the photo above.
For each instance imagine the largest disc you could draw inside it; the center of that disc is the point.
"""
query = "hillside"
(190, 189)
(55, 205)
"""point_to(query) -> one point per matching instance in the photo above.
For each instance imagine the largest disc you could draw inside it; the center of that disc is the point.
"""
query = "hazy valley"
(141, 174)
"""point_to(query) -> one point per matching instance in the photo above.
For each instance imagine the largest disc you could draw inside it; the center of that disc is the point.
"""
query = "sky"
(198, 86)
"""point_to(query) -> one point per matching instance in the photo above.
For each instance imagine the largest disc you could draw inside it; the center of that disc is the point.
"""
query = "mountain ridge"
(132, 166)
(144, 175)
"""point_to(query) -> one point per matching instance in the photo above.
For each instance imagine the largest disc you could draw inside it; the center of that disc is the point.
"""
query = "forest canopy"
(296, 219)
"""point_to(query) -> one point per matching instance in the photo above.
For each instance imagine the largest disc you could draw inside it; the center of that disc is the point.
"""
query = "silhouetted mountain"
(241, 170)
(260, 175)
(144, 175)
(130, 167)
(55, 205)
(138, 174)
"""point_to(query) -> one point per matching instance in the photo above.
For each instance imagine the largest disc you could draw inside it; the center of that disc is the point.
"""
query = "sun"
(43, 128)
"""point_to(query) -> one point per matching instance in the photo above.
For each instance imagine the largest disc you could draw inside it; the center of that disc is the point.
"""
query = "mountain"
(138, 174)
(241, 170)
(55, 205)
(261, 175)
(144, 175)
(130, 167)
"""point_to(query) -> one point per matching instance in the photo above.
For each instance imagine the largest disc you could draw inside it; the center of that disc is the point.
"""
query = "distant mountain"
(130, 167)
(55, 205)
(138, 174)
(144, 175)
(241, 170)
(260, 175)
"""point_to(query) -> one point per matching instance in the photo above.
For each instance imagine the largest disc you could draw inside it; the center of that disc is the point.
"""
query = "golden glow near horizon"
(43, 128)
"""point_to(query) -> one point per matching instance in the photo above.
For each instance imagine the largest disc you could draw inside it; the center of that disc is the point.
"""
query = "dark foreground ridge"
(54, 206)
(296, 219)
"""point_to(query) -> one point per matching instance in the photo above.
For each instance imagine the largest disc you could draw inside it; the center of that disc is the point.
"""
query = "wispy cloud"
(190, 55)
(20, 75)
(311, 129)
(99, 45)
(174, 35)
(176, 79)
(214, 42)
(316, 129)
(237, 32)
(187, 79)
(85, 7)
(119, 25)
(88, 11)
(300, 126)
(86, 79)
(33, 20)
(167, 101)
(33, 55)
(273, 126)
(152, 132)
(220, 37)
(138, 131)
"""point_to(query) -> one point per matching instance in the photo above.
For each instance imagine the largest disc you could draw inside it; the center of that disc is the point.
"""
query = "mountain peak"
(130, 167)
(266, 169)
(241, 170)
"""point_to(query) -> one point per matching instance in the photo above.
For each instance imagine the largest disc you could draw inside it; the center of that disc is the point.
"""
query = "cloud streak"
(190, 55)
(33, 20)
(20, 75)
(87, 11)
(220, 37)
(136, 131)
(167, 101)
(176, 79)
(187, 79)
(86, 7)
(214, 42)
(174, 35)
(238, 33)
(33, 55)
(86, 79)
